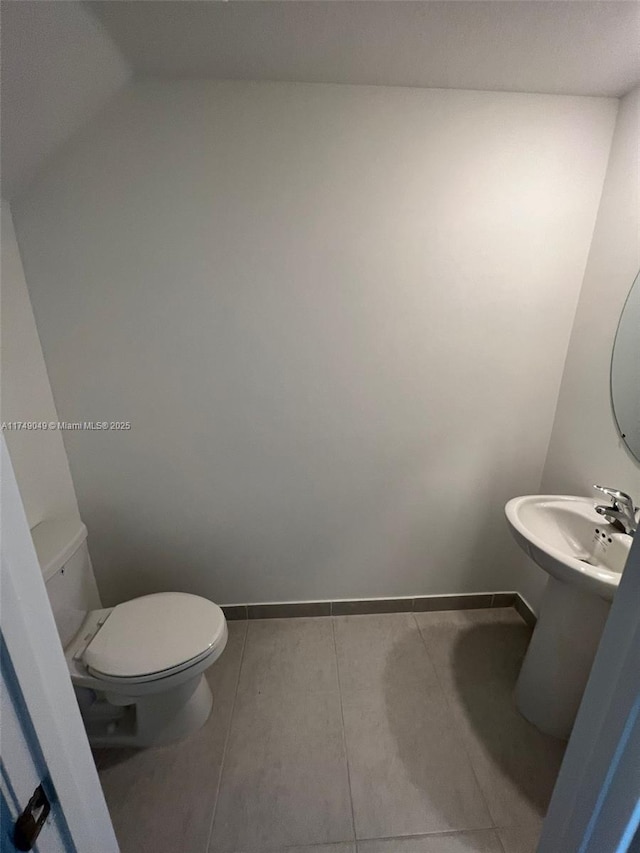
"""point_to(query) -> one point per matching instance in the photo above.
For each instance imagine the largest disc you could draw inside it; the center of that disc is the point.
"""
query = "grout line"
(439, 833)
(314, 845)
(317, 845)
(456, 728)
(344, 733)
(447, 833)
(500, 841)
(226, 740)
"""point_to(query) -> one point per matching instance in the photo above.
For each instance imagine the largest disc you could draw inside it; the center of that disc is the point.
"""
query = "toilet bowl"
(137, 668)
(140, 667)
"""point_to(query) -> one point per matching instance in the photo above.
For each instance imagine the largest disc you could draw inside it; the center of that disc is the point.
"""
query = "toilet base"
(117, 720)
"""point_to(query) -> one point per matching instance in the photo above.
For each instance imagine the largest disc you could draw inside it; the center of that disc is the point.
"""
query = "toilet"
(137, 668)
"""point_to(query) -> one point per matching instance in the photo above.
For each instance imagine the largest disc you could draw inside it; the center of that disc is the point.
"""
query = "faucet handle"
(618, 497)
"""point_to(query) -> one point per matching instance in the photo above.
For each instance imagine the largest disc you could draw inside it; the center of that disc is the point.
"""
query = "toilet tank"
(61, 546)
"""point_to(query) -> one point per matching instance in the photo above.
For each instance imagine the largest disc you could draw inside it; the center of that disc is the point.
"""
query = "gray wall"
(336, 317)
(585, 447)
(38, 457)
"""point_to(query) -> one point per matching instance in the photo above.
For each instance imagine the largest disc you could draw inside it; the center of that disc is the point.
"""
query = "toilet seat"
(155, 636)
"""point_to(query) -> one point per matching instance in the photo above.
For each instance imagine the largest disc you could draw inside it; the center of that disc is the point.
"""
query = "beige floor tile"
(434, 743)
(161, 800)
(476, 644)
(519, 839)
(314, 848)
(515, 764)
(285, 776)
(375, 652)
(322, 848)
(481, 841)
(289, 654)
(409, 772)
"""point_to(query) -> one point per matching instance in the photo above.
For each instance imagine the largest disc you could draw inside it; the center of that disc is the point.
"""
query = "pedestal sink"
(584, 556)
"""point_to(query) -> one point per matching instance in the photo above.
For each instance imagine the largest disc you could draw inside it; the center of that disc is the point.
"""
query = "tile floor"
(351, 734)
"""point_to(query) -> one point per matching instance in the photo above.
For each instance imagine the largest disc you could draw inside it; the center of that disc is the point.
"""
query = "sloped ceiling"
(576, 48)
(63, 59)
(59, 66)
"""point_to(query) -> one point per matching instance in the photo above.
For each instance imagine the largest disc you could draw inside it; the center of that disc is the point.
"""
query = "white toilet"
(137, 668)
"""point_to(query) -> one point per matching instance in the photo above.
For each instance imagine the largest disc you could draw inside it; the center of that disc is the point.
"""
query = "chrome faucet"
(622, 513)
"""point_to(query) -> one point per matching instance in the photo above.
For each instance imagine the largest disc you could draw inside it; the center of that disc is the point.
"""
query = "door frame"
(596, 801)
(33, 645)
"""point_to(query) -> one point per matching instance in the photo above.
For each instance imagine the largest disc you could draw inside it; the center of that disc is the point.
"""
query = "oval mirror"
(625, 371)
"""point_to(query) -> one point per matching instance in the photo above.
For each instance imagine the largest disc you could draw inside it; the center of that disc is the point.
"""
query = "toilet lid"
(154, 633)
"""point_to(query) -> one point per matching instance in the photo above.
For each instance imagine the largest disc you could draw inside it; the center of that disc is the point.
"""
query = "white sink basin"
(584, 556)
(566, 537)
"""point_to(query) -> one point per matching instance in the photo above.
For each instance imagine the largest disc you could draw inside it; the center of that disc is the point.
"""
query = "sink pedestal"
(558, 660)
